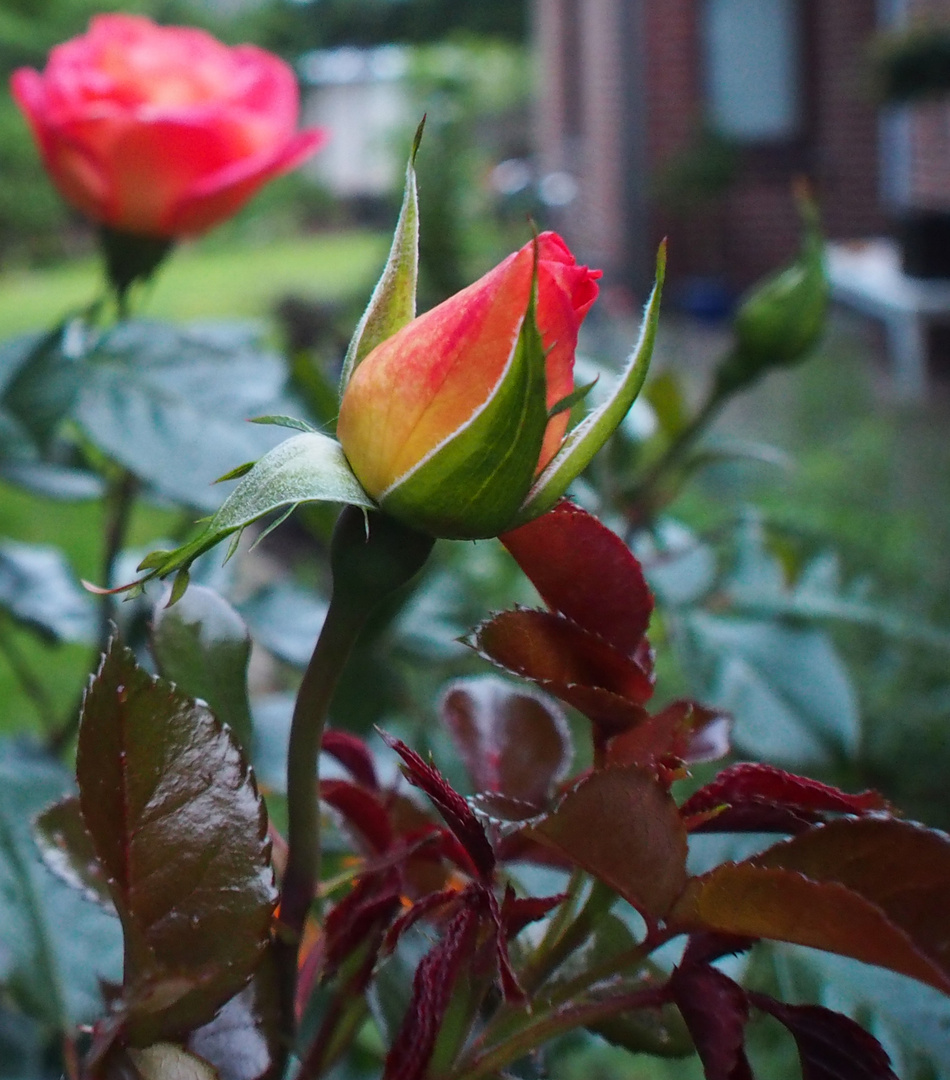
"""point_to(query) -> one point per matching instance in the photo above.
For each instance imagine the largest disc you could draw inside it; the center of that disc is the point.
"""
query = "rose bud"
(447, 422)
(161, 131)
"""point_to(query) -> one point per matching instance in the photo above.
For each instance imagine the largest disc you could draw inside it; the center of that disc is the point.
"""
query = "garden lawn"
(206, 280)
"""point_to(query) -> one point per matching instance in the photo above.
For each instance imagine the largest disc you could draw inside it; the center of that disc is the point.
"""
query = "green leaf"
(873, 889)
(68, 851)
(583, 442)
(393, 303)
(54, 945)
(181, 832)
(787, 688)
(172, 403)
(619, 825)
(38, 588)
(473, 483)
(201, 644)
(309, 467)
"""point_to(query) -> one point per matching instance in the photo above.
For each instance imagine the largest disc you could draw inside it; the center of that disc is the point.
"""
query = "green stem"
(544, 1026)
(370, 557)
(642, 499)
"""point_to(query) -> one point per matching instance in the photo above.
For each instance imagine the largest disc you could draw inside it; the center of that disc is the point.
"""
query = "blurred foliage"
(290, 27)
(912, 66)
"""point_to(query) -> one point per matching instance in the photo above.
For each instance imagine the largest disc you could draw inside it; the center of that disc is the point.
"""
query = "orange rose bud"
(424, 412)
(161, 131)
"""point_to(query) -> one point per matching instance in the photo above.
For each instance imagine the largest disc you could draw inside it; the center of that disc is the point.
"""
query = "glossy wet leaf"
(181, 831)
(68, 851)
(203, 646)
(620, 826)
(171, 403)
(874, 889)
(576, 666)
(512, 742)
(39, 589)
(586, 572)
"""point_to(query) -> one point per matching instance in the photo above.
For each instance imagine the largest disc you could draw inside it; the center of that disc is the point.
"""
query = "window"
(753, 70)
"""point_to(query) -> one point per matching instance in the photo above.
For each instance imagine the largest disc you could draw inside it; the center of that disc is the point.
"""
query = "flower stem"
(370, 556)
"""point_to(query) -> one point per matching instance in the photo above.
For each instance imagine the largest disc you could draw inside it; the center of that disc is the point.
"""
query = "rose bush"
(422, 388)
(161, 131)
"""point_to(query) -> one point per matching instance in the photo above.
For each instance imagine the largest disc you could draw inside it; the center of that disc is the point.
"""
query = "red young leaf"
(716, 1011)
(435, 977)
(621, 826)
(761, 798)
(368, 907)
(682, 730)
(181, 832)
(830, 1046)
(455, 811)
(586, 572)
(362, 811)
(513, 742)
(585, 671)
(517, 912)
(353, 754)
(874, 889)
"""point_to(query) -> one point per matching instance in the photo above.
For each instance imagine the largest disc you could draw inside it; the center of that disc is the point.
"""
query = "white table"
(866, 275)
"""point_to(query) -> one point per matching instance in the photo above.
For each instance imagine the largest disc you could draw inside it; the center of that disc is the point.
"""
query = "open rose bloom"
(419, 391)
(161, 131)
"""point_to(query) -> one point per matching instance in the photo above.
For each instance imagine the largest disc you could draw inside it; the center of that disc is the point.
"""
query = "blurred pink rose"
(161, 131)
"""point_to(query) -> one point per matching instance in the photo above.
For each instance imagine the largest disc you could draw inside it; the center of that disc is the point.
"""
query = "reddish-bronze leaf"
(181, 832)
(455, 811)
(761, 798)
(432, 986)
(683, 730)
(874, 889)
(585, 671)
(362, 810)
(513, 742)
(353, 754)
(586, 572)
(621, 826)
(716, 1011)
(830, 1046)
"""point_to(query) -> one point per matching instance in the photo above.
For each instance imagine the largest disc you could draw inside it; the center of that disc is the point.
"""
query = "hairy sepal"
(308, 467)
(393, 303)
(583, 442)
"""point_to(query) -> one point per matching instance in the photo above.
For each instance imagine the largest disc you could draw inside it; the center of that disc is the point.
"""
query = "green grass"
(204, 280)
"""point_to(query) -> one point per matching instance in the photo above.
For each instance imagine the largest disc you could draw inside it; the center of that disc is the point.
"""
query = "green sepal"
(584, 441)
(393, 303)
(309, 467)
(471, 486)
(284, 421)
(575, 397)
